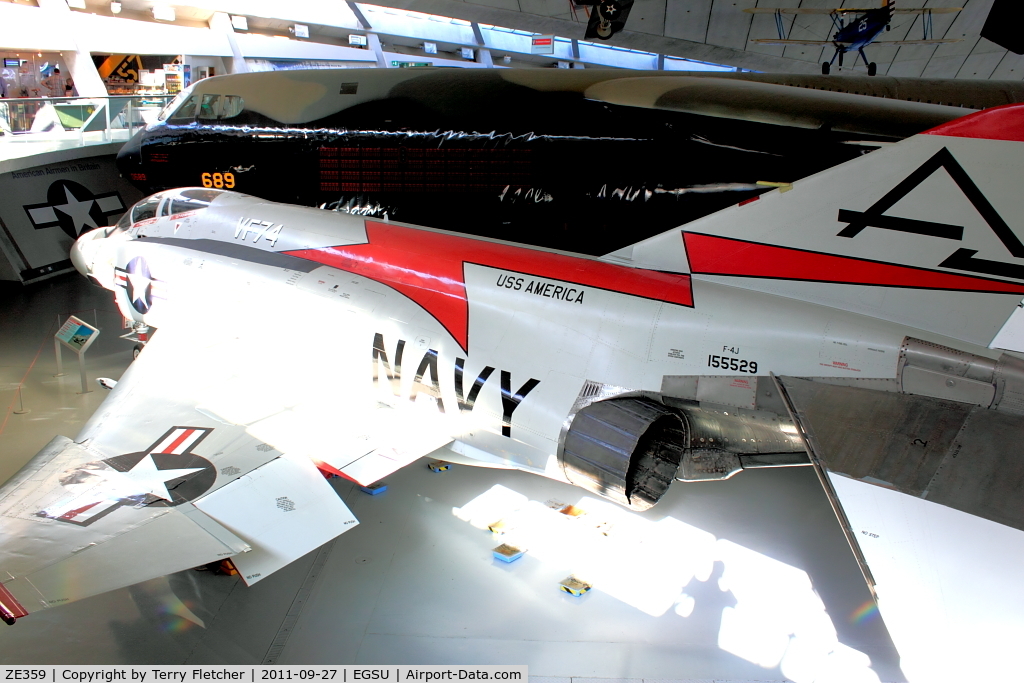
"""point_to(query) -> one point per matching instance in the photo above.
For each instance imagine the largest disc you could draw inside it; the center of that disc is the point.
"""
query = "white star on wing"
(77, 210)
(146, 478)
(138, 283)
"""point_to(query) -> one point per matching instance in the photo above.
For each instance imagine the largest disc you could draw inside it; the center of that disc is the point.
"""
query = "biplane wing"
(849, 10)
(788, 41)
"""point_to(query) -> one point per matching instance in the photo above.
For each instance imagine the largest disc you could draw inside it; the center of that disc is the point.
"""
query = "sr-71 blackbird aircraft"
(866, 322)
(548, 157)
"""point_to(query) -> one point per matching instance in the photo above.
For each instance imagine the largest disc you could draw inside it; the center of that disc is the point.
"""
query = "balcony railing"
(51, 123)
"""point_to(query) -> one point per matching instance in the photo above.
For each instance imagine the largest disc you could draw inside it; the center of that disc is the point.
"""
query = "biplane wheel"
(136, 351)
(872, 69)
(825, 68)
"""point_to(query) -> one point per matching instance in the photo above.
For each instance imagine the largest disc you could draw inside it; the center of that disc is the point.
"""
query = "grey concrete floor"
(744, 580)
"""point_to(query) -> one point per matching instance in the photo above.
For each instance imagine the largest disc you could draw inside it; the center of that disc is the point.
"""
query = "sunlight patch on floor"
(778, 620)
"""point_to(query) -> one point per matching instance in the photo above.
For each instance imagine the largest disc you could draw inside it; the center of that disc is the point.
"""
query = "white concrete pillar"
(483, 55)
(373, 41)
(221, 22)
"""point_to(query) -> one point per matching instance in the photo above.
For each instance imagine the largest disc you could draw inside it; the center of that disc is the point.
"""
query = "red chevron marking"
(428, 268)
(711, 255)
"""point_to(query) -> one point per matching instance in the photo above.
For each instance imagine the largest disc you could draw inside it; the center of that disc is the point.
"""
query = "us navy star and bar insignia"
(168, 473)
(138, 281)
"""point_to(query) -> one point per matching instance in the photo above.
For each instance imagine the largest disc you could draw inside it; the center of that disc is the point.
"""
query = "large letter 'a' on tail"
(928, 232)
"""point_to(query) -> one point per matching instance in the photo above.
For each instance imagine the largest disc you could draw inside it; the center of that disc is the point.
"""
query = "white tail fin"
(928, 232)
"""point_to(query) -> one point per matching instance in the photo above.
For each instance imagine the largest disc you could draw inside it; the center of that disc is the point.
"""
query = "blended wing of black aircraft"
(856, 33)
(554, 158)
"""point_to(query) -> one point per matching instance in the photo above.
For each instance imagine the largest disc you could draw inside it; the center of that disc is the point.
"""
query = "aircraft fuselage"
(497, 341)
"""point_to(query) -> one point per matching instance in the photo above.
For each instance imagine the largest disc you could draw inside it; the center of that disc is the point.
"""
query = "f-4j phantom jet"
(853, 322)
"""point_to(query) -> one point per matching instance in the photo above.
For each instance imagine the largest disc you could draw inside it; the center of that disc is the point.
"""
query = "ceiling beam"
(656, 44)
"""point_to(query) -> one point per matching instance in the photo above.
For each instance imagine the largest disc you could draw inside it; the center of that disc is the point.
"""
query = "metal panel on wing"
(948, 452)
(283, 509)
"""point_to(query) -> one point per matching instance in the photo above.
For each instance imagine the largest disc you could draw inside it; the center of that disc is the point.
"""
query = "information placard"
(77, 334)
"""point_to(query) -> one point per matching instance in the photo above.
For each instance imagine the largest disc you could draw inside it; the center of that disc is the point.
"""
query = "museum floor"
(744, 580)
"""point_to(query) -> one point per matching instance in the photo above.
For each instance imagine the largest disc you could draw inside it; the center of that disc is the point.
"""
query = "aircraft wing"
(773, 103)
(931, 494)
(789, 41)
(849, 10)
(923, 10)
(802, 10)
(205, 450)
(74, 525)
(930, 41)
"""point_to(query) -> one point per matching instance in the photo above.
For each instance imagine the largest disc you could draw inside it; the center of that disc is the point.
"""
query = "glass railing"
(62, 122)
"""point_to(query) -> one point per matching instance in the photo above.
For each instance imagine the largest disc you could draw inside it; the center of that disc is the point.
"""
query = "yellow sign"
(124, 67)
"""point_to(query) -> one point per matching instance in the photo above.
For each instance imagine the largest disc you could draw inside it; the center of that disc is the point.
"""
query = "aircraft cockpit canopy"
(186, 107)
(166, 203)
(175, 103)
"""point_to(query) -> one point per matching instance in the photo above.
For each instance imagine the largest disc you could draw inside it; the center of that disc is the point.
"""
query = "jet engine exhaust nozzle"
(624, 449)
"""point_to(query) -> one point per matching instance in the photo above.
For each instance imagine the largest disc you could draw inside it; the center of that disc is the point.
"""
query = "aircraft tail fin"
(927, 232)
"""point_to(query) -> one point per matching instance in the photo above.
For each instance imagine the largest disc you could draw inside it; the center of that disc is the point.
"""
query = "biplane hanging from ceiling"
(853, 35)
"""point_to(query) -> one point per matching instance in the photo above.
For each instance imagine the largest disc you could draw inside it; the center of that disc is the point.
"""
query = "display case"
(174, 80)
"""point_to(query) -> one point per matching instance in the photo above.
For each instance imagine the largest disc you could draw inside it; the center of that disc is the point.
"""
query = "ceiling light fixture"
(115, 7)
(163, 13)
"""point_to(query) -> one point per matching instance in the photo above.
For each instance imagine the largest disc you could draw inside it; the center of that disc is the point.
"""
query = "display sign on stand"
(78, 336)
(542, 45)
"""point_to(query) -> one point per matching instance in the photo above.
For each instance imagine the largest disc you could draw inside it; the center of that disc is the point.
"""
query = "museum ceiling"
(719, 31)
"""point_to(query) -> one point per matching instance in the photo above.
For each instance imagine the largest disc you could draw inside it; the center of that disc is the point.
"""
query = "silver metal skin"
(929, 369)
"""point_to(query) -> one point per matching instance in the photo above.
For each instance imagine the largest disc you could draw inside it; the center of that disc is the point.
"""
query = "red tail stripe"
(998, 123)
(722, 256)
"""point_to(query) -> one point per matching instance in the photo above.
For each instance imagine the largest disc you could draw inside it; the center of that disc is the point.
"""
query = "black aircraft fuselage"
(471, 151)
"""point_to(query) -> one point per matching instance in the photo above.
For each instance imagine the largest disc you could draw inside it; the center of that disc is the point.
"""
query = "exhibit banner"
(43, 210)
